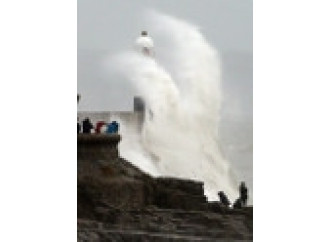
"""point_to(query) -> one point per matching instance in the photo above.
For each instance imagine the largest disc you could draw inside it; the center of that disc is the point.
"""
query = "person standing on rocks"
(99, 126)
(224, 199)
(87, 126)
(113, 127)
(243, 193)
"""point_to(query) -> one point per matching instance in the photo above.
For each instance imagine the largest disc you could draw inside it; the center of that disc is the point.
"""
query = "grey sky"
(105, 27)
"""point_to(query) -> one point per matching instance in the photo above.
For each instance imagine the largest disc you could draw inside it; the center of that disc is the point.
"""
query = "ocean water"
(184, 134)
(236, 144)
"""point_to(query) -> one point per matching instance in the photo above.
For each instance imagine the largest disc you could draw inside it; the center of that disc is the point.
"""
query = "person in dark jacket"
(87, 126)
(243, 193)
(224, 199)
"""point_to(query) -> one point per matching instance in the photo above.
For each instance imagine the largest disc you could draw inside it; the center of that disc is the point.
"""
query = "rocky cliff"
(119, 202)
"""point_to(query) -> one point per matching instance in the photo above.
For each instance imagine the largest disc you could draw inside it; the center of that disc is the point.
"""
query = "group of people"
(240, 202)
(86, 127)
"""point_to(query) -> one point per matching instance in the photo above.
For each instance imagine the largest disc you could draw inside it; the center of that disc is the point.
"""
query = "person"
(243, 193)
(224, 199)
(113, 127)
(79, 126)
(87, 126)
(99, 125)
(145, 44)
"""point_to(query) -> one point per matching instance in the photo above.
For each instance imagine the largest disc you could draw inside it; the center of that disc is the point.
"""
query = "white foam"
(180, 136)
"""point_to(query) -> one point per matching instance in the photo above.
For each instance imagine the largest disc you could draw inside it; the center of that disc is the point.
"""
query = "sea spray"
(180, 134)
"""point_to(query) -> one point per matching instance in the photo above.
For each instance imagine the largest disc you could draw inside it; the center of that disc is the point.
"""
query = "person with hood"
(99, 126)
(243, 193)
(87, 126)
(224, 199)
(113, 128)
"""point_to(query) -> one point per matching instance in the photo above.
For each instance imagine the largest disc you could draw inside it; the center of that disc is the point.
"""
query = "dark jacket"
(87, 126)
(224, 199)
(243, 191)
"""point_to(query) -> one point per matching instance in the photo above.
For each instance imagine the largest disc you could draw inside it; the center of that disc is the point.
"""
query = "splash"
(181, 89)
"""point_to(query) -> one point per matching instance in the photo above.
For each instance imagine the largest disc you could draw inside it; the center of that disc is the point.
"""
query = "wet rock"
(119, 202)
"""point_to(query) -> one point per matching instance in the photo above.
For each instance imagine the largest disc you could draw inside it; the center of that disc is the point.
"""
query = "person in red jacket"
(99, 125)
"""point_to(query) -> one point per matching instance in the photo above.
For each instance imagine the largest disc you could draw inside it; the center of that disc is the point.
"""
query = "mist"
(182, 91)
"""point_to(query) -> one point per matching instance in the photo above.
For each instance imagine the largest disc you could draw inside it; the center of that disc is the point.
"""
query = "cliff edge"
(119, 202)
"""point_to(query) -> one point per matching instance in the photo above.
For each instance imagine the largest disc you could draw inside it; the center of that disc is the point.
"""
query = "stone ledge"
(98, 138)
(94, 147)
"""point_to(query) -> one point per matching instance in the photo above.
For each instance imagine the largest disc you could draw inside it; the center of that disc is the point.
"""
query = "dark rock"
(119, 202)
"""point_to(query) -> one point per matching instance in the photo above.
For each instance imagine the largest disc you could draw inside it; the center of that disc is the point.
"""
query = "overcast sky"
(106, 27)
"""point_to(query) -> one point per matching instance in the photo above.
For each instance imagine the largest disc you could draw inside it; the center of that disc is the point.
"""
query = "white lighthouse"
(145, 44)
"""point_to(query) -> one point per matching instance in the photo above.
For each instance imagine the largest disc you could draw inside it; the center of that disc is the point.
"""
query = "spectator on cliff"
(243, 193)
(87, 126)
(224, 199)
(79, 126)
(99, 125)
(113, 128)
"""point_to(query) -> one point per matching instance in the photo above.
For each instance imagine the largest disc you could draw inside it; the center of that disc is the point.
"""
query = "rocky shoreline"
(119, 202)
